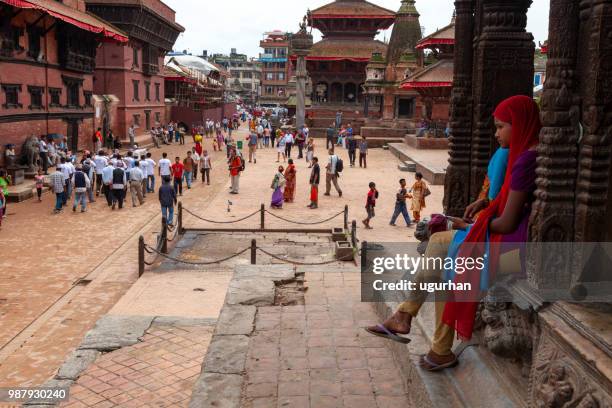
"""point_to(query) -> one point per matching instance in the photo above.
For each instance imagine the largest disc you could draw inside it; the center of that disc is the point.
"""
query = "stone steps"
(407, 166)
(435, 175)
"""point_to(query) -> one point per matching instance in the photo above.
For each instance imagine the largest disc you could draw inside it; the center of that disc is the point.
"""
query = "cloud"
(218, 26)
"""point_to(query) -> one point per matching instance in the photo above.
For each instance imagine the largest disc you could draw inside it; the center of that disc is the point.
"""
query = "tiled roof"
(439, 74)
(359, 50)
(445, 35)
(342, 8)
(81, 19)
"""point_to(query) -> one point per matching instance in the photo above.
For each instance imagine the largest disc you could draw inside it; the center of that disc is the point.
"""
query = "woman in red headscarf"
(504, 221)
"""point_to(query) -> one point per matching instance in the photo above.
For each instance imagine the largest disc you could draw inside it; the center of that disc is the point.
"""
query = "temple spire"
(408, 8)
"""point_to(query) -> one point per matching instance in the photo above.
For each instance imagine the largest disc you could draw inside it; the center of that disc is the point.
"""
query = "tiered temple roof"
(351, 9)
(345, 49)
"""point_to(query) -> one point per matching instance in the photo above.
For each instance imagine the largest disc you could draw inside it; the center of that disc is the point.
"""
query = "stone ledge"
(217, 390)
(435, 175)
(439, 143)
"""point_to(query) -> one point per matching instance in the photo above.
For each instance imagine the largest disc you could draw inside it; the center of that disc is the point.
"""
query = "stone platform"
(422, 143)
(432, 163)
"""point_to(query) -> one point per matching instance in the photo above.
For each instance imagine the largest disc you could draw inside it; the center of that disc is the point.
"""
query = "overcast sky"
(219, 25)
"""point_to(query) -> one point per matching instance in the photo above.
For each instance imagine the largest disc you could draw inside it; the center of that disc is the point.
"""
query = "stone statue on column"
(301, 42)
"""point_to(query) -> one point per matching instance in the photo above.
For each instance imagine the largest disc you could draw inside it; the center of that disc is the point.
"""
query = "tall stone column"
(300, 46)
(552, 217)
(503, 67)
(456, 191)
(300, 75)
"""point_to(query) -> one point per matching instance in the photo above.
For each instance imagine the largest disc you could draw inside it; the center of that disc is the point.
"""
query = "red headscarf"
(524, 116)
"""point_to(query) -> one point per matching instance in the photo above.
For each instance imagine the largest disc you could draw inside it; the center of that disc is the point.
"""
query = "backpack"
(339, 165)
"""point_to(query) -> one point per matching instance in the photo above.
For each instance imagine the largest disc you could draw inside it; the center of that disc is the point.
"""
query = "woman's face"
(503, 133)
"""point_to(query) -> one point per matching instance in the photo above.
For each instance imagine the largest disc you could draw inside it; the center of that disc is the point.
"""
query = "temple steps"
(431, 170)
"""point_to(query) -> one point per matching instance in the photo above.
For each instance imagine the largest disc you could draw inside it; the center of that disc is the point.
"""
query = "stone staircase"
(434, 173)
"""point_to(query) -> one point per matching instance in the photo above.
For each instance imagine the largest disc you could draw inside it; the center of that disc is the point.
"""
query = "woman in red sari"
(504, 221)
(290, 177)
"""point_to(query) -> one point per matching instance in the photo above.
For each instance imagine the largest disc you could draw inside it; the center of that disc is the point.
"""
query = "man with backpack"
(334, 167)
(236, 165)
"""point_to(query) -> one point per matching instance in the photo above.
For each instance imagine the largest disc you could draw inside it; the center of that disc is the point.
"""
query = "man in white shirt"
(164, 166)
(107, 181)
(196, 163)
(150, 173)
(136, 179)
(260, 130)
(331, 175)
(67, 170)
(100, 162)
(144, 167)
(132, 136)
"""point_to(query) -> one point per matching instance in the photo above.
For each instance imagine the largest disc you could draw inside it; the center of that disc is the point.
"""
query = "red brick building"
(47, 59)
(133, 73)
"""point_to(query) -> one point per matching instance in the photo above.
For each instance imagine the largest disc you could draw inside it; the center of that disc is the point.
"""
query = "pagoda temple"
(434, 83)
(337, 63)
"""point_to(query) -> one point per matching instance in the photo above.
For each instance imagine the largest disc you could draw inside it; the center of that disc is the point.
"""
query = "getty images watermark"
(578, 272)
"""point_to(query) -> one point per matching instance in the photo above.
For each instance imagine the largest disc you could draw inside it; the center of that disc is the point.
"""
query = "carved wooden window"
(135, 84)
(73, 87)
(11, 93)
(88, 95)
(76, 48)
(55, 94)
(147, 85)
(157, 92)
(36, 97)
(34, 34)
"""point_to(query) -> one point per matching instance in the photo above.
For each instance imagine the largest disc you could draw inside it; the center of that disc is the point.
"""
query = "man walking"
(165, 166)
(315, 178)
(136, 178)
(81, 183)
(177, 174)
(206, 167)
(253, 138)
(58, 185)
(188, 165)
(330, 137)
(332, 172)
(119, 184)
(400, 204)
(150, 173)
(235, 166)
(107, 181)
(144, 168)
(167, 200)
(351, 143)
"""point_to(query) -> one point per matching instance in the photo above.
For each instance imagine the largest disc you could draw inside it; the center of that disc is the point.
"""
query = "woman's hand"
(458, 223)
(474, 208)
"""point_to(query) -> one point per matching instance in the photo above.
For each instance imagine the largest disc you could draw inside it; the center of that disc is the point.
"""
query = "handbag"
(426, 192)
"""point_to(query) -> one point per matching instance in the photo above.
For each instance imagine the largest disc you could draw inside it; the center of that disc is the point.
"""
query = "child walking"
(370, 204)
(419, 191)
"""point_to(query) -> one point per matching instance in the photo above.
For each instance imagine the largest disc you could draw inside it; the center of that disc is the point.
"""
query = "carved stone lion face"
(507, 332)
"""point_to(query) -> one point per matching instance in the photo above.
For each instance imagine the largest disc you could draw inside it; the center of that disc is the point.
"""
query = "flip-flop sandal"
(388, 334)
(428, 365)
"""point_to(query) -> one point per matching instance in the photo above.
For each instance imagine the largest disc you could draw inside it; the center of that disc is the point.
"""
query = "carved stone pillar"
(552, 217)
(595, 69)
(456, 189)
(503, 67)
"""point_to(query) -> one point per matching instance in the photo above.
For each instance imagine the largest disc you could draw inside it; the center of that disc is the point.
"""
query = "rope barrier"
(191, 262)
(220, 222)
(346, 258)
(173, 236)
(305, 223)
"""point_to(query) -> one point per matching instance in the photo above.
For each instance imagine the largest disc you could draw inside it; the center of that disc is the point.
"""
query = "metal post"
(253, 252)
(354, 233)
(262, 217)
(164, 236)
(364, 254)
(141, 256)
(345, 217)
(179, 224)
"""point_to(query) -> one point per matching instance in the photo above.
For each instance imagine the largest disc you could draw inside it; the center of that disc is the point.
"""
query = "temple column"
(503, 67)
(300, 76)
(552, 217)
(456, 190)
(595, 70)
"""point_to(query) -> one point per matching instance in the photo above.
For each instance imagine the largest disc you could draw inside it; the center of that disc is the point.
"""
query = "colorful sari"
(277, 186)
(290, 177)
(493, 183)
(524, 116)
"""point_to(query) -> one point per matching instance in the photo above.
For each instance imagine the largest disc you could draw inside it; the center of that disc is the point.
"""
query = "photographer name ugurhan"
(430, 287)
